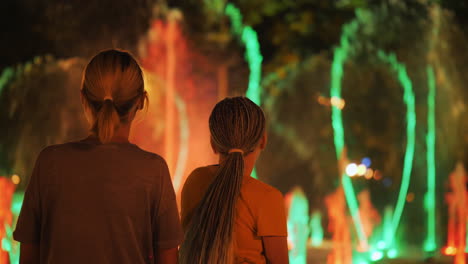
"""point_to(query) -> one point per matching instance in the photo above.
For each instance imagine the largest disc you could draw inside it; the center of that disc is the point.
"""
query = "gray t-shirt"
(88, 202)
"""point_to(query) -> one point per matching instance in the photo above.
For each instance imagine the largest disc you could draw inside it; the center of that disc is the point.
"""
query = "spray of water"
(316, 230)
(341, 54)
(298, 225)
(430, 196)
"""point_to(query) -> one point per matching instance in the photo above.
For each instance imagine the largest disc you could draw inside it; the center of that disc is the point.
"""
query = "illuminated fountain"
(7, 188)
(180, 126)
(458, 214)
(369, 216)
(421, 73)
(170, 121)
(338, 225)
(316, 229)
(298, 225)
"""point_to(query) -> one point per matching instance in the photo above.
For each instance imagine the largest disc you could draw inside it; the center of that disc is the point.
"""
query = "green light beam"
(298, 226)
(408, 98)
(337, 71)
(5, 77)
(388, 228)
(430, 199)
(252, 55)
(316, 230)
(339, 57)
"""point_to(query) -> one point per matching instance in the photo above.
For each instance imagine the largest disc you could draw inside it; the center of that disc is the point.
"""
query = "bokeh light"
(361, 170)
(15, 179)
(366, 161)
(352, 169)
(376, 255)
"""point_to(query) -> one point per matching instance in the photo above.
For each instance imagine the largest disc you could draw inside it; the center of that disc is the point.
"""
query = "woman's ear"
(82, 97)
(87, 110)
(212, 146)
(263, 141)
(142, 101)
(140, 104)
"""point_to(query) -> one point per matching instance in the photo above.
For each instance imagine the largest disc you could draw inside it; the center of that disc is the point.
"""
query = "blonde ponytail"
(107, 121)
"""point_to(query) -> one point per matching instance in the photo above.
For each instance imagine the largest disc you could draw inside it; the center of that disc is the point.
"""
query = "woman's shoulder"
(50, 151)
(149, 155)
(84, 147)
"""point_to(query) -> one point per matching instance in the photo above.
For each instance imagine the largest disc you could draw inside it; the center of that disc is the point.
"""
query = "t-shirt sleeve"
(272, 216)
(28, 227)
(166, 223)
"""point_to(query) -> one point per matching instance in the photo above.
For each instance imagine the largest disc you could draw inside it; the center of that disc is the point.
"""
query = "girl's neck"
(249, 162)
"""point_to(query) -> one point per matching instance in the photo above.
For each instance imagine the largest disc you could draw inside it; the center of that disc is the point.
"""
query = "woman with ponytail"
(101, 199)
(228, 216)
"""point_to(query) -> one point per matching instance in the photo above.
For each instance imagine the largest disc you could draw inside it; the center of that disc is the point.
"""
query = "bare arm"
(166, 256)
(29, 253)
(276, 249)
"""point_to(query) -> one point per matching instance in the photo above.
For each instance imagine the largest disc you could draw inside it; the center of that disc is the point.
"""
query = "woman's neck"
(121, 134)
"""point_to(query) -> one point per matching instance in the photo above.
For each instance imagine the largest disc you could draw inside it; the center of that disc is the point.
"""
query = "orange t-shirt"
(259, 212)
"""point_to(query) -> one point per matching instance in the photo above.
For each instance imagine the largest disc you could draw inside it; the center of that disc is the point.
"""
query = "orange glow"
(338, 102)
(171, 79)
(410, 197)
(450, 251)
(339, 227)
(323, 101)
(457, 200)
(370, 217)
(15, 179)
(377, 175)
(7, 188)
(334, 101)
(169, 142)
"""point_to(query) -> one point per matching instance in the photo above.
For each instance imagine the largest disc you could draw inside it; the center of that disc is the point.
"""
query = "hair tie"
(108, 97)
(236, 150)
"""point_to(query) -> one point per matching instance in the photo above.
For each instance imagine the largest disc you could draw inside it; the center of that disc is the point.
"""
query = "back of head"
(236, 126)
(112, 87)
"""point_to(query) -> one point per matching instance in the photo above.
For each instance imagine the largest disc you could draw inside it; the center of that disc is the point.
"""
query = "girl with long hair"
(101, 199)
(228, 216)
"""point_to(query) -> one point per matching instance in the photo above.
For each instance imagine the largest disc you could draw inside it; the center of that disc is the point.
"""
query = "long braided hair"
(235, 123)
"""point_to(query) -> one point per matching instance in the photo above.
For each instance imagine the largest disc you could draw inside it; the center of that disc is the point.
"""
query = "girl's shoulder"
(205, 170)
(259, 186)
(266, 203)
(261, 191)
